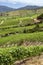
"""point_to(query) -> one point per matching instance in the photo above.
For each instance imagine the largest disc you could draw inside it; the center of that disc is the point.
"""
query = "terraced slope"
(21, 38)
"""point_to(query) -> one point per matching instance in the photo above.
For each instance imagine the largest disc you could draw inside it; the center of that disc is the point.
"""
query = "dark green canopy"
(40, 17)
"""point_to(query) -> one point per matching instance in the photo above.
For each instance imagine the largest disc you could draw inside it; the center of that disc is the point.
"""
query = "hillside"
(28, 7)
(21, 37)
(23, 13)
(5, 8)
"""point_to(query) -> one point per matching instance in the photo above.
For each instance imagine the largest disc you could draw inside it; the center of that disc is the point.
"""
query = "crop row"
(18, 39)
(8, 56)
(19, 21)
(26, 29)
(15, 30)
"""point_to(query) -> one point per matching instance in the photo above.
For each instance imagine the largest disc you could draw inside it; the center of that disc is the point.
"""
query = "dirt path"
(26, 43)
(35, 20)
(31, 61)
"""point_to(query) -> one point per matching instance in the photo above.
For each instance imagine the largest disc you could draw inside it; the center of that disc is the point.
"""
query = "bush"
(40, 17)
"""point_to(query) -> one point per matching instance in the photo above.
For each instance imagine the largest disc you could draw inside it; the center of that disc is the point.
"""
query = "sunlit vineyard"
(12, 54)
(21, 36)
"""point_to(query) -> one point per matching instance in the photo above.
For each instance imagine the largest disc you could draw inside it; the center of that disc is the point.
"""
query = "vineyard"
(12, 54)
(21, 37)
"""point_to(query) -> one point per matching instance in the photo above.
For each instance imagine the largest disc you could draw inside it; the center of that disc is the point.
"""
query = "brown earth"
(25, 43)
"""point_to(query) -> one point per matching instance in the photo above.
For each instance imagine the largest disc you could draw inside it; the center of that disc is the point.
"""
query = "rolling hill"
(28, 7)
(5, 8)
(21, 36)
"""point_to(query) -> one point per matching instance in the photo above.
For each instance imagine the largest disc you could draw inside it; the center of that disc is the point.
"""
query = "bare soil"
(26, 43)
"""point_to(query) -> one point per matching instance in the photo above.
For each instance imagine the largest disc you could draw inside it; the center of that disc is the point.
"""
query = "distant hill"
(29, 7)
(5, 8)
(26, 12)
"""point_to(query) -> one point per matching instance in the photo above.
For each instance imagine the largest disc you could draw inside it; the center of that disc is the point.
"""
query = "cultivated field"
(21, 38)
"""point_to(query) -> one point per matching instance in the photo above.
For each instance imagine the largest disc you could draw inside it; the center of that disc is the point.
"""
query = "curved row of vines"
(9, 55)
